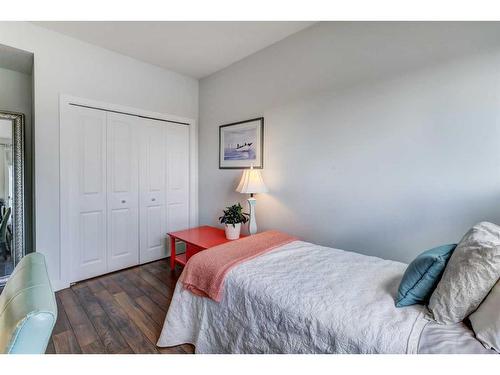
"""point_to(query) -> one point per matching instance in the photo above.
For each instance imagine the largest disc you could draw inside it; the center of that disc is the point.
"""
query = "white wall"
(15, 92)
(382, 138)
(65, 65)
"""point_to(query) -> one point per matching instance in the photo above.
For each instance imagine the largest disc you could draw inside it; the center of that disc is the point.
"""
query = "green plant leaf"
(233, 215)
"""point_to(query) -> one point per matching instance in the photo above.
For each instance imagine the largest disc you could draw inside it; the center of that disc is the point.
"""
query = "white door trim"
(64, 102)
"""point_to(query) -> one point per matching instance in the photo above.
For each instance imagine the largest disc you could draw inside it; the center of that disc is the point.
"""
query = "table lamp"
(251, 183)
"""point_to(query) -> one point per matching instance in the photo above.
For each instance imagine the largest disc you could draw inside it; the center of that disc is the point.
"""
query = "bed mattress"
(305, 298)
(450, 339)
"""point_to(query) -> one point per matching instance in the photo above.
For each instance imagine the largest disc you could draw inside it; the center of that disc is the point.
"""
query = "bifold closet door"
(123, 191)
(153, 227)
(85, 136)
(125, 184)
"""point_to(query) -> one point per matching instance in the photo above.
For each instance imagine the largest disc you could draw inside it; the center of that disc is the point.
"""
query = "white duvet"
(299, 298)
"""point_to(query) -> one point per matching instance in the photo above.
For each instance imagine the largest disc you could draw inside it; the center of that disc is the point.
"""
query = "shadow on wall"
(402, 238)
(380, 138)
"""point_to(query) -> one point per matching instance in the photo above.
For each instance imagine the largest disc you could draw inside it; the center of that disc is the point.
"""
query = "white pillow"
(486, 320)
(470, 274)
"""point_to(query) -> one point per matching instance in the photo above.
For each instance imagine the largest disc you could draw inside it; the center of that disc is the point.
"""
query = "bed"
(305, 298)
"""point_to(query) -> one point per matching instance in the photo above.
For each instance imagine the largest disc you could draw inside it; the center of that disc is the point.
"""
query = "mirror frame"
(18, 199)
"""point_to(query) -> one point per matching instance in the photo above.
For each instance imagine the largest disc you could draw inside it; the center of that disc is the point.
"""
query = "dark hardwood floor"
(122, 312)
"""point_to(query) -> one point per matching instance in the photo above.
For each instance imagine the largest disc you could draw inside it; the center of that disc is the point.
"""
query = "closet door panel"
(92, 241)
(87, 192)
(177, 156)
(153, 227)
(123, 191)
(155, 146)
(124, 185)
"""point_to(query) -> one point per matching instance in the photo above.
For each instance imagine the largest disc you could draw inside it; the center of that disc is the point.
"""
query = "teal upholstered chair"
(28, 309)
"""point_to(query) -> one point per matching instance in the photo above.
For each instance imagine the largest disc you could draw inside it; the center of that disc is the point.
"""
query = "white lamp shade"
(251, 182)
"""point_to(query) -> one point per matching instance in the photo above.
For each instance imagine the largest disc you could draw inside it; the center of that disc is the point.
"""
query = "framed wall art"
(241, 144)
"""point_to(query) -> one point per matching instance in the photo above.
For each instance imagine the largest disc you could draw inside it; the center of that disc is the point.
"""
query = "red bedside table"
(196, 239)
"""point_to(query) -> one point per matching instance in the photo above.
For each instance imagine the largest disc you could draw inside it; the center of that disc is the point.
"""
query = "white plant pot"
(233, 233)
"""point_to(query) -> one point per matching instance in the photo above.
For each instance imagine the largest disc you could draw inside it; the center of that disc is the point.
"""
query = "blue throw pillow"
(422, 276)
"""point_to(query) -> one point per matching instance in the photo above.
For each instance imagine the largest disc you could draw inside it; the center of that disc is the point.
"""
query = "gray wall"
(382, 138)
(16, 95)
(15, 92)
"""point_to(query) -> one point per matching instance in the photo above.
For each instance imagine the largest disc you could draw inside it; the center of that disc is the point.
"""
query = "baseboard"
(59, 285)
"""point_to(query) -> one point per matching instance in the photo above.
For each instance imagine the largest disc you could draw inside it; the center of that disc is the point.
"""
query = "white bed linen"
(299, 298)
(450, 339)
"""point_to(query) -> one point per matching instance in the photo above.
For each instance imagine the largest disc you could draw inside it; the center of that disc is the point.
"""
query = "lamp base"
(252, 225)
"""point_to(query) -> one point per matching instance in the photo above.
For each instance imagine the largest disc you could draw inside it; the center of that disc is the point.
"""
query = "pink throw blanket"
(205, 272)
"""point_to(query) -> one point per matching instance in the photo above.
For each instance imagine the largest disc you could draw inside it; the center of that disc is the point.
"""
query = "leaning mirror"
(11, 192)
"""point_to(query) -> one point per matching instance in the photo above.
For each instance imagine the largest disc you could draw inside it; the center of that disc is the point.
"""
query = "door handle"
(153, 199)
(124, 201)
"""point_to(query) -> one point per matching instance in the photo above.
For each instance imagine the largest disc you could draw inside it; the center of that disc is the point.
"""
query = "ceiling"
(16, 59)
(196, 49)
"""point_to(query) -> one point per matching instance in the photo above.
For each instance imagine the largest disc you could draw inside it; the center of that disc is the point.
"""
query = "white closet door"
(153, 229)
(87, 191)
(177, 156)
(123, 191)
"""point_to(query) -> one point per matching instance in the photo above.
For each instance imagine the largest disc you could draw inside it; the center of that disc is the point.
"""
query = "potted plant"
(232, 219)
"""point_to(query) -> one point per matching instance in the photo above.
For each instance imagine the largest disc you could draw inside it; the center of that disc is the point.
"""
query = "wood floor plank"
(121, 312)
(148, 327)
(140, 299)
(180, 349)
(63, 338)
(164, 264)
(171, 350)
(84, 330)
(130, 332)
(111, 338)
(78, 285)
(66, 343)
(62, 322)
(110, 284)
(50, 347)
(160, 286)
(94, 285)
(187, 348)
(132, 291)
(152, 309)
(164, 268)
(92, 348)
(160, 299)
(163, 272)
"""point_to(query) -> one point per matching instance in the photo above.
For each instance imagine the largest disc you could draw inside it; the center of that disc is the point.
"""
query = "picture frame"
(241, 144)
